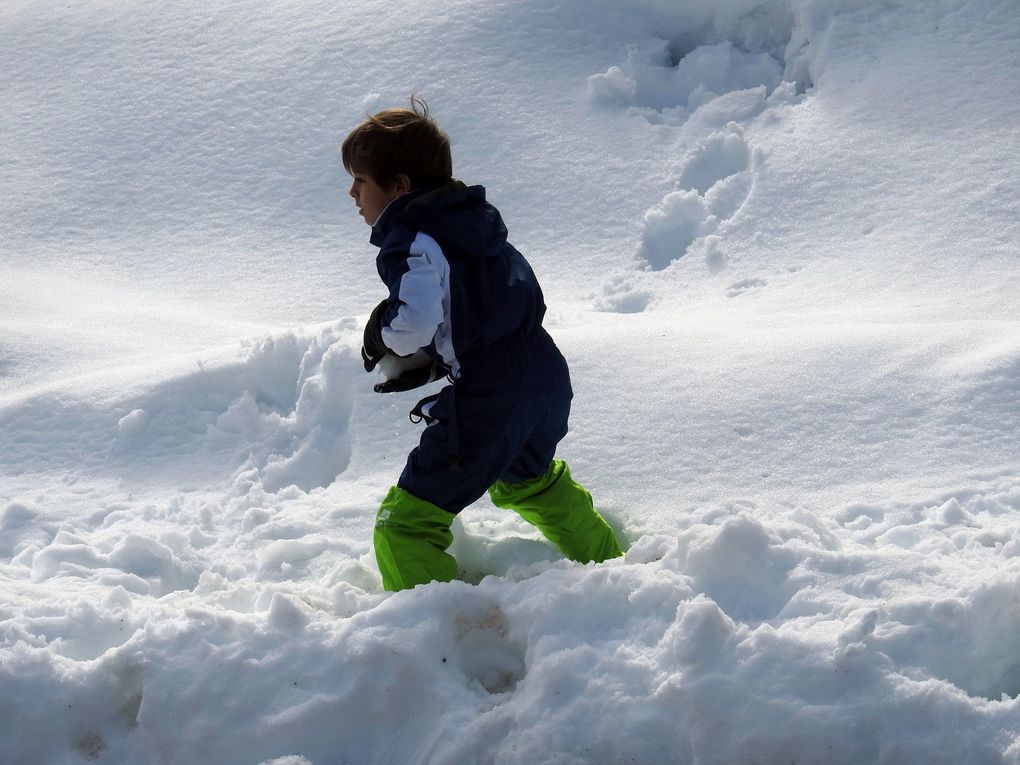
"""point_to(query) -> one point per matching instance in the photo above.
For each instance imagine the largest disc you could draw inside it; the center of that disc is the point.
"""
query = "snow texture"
(778, 240)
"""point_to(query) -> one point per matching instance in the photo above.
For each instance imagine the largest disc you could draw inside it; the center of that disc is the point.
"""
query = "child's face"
(371, 198)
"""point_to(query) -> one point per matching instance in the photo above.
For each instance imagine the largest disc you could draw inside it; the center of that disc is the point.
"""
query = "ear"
(402, 184)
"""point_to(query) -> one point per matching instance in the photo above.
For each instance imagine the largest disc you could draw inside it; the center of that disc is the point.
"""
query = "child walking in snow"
(462, 303)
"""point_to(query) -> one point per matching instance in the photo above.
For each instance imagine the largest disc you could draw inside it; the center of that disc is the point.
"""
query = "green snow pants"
(563, 511)
(411, 535)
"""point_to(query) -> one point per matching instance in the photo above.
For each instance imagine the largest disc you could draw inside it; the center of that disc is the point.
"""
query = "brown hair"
(399, 141)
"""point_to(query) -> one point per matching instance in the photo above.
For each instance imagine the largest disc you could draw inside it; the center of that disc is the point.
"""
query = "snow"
(778, 240)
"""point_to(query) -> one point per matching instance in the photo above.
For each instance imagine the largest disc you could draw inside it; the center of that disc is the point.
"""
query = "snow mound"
(274, 412)
(663, 90)
(676, 630)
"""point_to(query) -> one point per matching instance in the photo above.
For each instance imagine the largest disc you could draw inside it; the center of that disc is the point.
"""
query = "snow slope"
(778, 239)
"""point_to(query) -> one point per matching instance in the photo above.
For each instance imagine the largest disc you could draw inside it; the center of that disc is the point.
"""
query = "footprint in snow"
(739, 288)
(486, 655)
(700, 82)
(713, 185)
(620, 294)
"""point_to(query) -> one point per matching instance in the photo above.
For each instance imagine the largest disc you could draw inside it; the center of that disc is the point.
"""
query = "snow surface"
(778, 239)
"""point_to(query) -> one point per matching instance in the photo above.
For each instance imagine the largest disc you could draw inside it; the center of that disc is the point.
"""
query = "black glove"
(373, 348)
(412, 378)
(402, 372)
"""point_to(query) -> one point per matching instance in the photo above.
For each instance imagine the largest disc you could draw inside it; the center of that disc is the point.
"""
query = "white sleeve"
(421, 294)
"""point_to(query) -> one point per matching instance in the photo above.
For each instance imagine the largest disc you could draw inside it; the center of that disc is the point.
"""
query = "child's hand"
(401, 372)
(373, 349)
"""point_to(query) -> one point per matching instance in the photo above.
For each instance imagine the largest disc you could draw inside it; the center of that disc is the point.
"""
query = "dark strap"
(419, 414)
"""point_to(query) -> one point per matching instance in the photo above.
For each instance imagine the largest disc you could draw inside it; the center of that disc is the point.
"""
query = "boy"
(463, 303)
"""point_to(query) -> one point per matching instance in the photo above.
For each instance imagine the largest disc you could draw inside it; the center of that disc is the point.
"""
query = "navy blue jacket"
(457, 287)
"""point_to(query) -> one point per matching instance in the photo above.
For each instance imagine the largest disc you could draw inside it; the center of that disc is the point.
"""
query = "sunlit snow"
(779, 244)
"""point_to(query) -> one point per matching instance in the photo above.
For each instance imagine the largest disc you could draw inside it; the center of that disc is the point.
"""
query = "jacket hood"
(452, 214)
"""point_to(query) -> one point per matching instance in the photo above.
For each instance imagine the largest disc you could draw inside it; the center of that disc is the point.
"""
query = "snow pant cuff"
(411, 537)
(563, 511)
